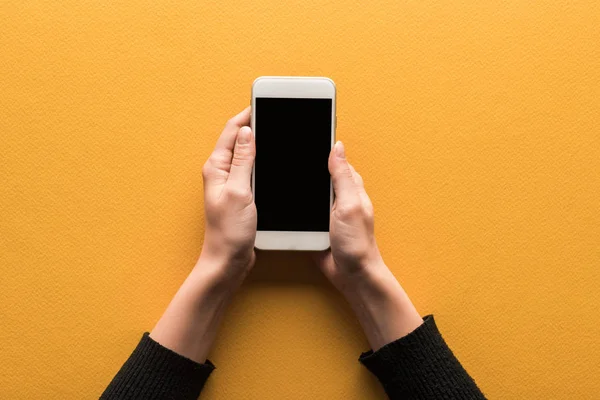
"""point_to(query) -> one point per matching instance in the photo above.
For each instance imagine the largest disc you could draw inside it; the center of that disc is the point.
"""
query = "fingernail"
(339, 150)
(244, 135)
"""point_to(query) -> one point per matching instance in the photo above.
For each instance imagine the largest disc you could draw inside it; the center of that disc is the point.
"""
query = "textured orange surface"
(474, 123)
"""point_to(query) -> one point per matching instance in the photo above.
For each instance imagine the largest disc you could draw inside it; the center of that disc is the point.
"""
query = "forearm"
(172, 362)
(190, 323)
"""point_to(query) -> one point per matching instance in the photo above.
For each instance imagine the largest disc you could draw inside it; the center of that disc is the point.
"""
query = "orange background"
(474, 123)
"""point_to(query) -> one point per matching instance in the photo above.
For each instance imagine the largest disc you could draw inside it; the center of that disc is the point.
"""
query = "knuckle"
(219, 161)
(346, 171)
(241, 157)
(369, 211)
(342, 176)
(343, 169)
(237, 193)
(230, 124)
(350, 210)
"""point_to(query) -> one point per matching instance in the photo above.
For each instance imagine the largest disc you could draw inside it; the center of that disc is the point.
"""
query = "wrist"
(381, 305)
(224, 269)
(364, 281)
(216, 276)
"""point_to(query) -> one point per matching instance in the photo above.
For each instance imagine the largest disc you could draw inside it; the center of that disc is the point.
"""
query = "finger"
(226, 141)
(243, 158)
(366, 201)
(216, 169)
(357, 177)
(341, 174)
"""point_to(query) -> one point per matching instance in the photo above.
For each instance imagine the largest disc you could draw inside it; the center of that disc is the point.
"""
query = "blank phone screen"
(292, 182)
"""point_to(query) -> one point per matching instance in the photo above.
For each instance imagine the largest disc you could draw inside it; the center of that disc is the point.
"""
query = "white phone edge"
(294, 87)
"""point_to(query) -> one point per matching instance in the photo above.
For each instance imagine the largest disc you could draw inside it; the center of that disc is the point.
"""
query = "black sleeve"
(421, 366)
(155, 372)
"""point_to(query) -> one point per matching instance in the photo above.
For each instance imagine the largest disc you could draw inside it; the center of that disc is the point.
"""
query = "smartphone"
(293, 120)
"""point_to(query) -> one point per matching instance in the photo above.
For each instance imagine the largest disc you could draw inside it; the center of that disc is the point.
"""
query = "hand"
(354, 264)
(189, 325)
(229, 207)
(353, 246)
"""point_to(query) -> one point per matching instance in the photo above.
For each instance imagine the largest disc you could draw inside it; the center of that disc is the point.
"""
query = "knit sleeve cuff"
(153, 371)
(402, 353)
(419, 365)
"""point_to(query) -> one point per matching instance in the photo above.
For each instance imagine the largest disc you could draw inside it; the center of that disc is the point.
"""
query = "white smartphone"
(293, 119)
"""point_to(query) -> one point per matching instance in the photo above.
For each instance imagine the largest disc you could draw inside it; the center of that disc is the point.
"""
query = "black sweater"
(417, 366)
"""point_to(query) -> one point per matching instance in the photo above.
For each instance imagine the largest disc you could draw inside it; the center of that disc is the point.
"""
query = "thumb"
(243, 158)
(341, 173)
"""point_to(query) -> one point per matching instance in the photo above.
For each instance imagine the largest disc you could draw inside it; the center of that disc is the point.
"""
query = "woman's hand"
(354, 264)
(353, 246)
(228, 203)
(190, 323)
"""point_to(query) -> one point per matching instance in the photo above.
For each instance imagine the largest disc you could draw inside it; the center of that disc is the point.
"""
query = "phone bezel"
(294, 87)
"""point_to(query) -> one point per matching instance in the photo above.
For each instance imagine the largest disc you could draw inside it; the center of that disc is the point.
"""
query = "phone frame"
(294, 87)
